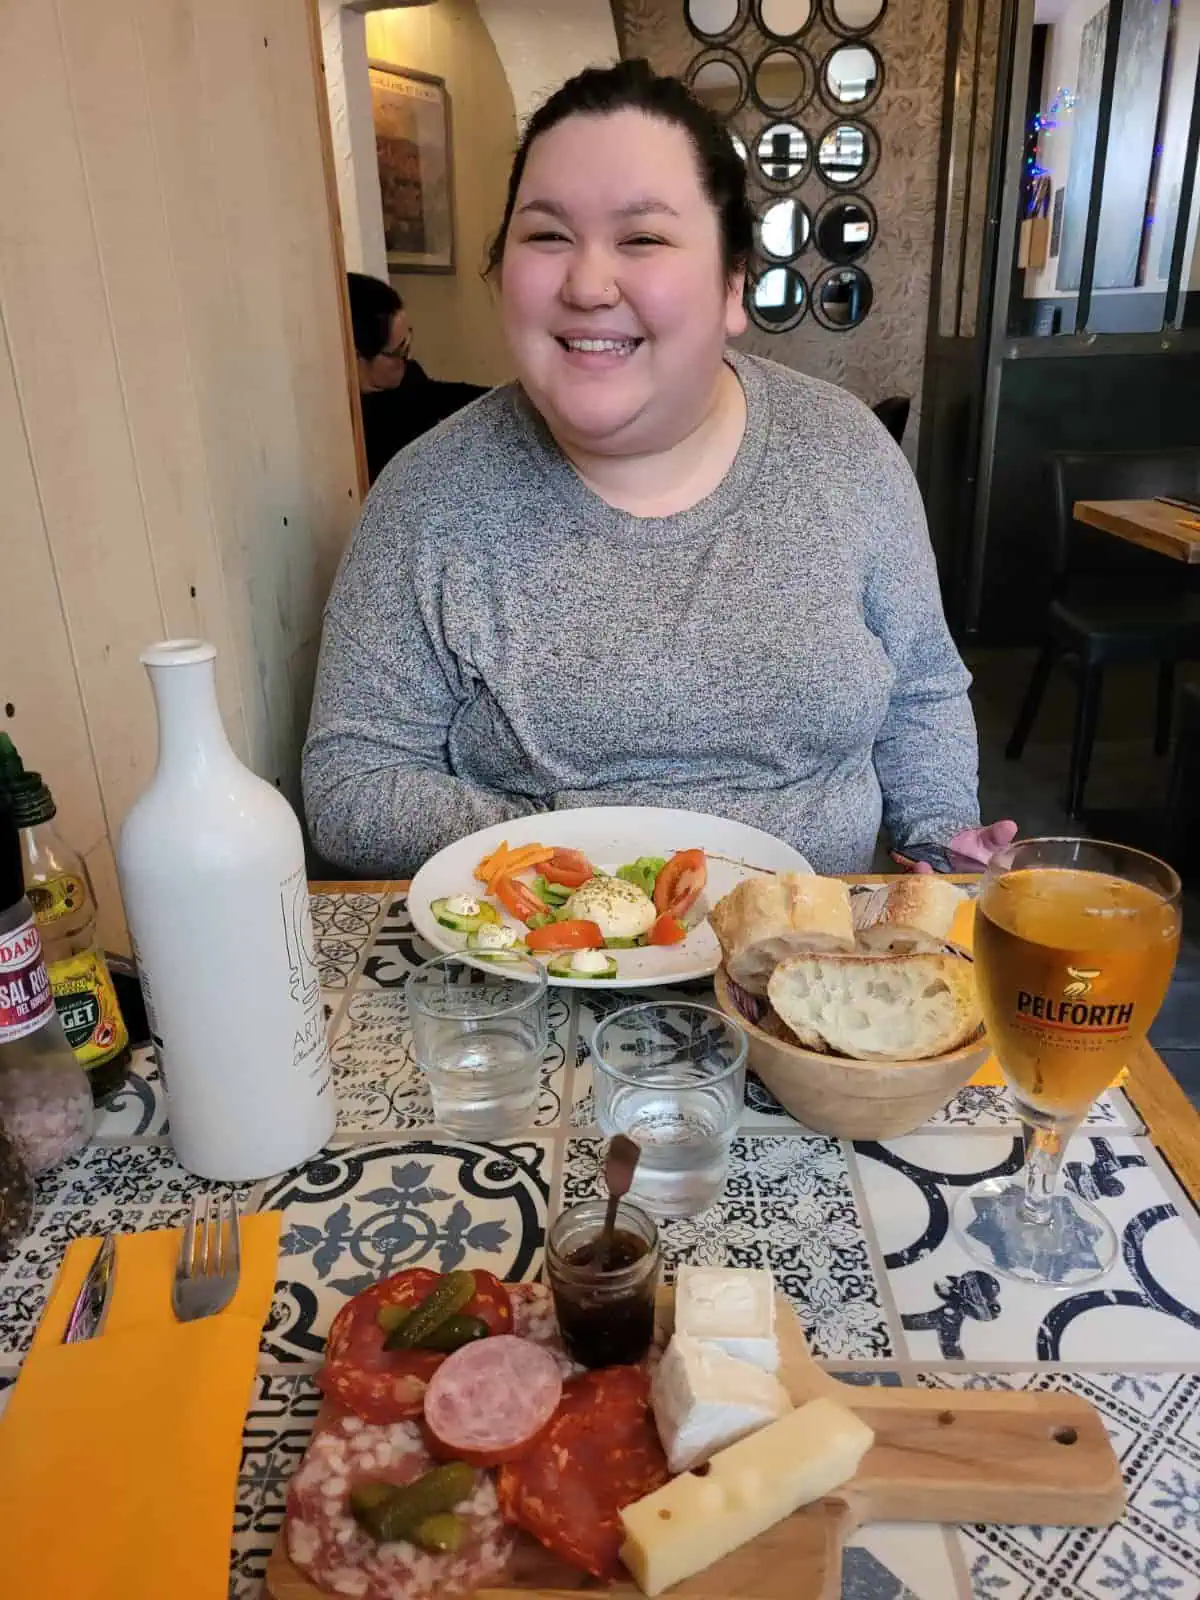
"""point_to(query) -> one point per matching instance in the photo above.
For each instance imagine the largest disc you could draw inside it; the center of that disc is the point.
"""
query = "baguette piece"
(912, 914)
(879, 1008)
(762, 921)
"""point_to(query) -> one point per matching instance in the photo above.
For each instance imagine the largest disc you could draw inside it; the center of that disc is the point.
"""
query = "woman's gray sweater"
(499, 641)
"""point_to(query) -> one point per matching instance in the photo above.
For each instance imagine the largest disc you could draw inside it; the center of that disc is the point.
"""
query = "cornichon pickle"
(447, 1298)
(368, 1495)
(442, 1533)
(390, 1318)
(396, 1512)
(455, 1332)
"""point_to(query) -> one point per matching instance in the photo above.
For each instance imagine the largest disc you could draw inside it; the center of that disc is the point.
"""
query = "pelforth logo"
(1074, 1012)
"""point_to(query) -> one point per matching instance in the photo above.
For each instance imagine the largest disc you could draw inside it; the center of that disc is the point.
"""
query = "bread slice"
(879, 1008)
(771, 1022)
(766, 919)
(912, 914)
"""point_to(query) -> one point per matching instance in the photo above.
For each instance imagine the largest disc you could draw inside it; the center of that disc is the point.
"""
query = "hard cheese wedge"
(695, 1520)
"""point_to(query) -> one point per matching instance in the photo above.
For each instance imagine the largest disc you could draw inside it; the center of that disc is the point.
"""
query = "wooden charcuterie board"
(939, 1456)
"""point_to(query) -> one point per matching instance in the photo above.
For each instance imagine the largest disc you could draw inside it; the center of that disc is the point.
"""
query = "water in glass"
(672, 1077)
(480, 1037)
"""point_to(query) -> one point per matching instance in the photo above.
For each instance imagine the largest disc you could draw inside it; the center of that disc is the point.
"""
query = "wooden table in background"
(1169, 530)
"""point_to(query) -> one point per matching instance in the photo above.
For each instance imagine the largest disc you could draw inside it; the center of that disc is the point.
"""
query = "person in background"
(653, 571)
(399, 400)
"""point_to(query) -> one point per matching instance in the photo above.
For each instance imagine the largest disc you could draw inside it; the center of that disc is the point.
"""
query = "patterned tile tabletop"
(857, 1237)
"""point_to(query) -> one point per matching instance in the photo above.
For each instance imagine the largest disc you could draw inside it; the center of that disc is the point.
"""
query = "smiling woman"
(652, 571)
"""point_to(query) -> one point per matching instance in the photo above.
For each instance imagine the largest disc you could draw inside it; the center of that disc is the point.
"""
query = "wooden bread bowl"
(853, 1099)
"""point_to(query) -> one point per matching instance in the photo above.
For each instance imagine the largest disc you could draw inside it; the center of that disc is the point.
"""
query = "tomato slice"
(667, 930)
(568, 867)
(518, 899)
(574, 935)
(680, 882)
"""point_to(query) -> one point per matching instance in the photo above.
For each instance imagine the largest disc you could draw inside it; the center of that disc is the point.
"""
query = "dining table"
(1169, 530)
(856, 1235)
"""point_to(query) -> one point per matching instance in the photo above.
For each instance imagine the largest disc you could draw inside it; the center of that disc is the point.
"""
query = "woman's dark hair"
(373, 304)
(635, 86)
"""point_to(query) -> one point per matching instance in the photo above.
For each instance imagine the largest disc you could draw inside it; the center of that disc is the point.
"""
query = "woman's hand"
(978, 844)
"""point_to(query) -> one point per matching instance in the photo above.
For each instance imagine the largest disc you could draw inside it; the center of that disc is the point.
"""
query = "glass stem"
(1045, 1146)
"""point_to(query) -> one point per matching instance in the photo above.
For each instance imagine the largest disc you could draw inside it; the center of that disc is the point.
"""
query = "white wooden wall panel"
(177, 444)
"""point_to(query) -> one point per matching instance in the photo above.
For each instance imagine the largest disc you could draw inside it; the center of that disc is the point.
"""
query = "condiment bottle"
(45, 1103)
(211, 860)
(60, 891)
(16, 1195)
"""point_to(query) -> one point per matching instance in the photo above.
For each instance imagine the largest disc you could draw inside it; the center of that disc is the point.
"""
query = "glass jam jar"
(605, 1315)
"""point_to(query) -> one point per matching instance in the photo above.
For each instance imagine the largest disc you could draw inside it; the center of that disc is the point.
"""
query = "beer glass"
(1075, 943)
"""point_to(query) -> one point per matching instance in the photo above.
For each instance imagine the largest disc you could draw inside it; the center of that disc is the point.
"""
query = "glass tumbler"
(479, 1037)
(673, 1077)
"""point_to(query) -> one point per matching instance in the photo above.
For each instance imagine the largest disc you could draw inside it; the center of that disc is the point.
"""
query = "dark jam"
(606, 1315)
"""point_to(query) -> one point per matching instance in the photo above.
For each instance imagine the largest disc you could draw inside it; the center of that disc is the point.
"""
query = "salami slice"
(383, 1385)
(600, 1453)
(327, 1544)
(489, 1401)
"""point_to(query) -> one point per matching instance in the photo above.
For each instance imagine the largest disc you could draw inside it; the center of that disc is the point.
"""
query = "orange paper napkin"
(119, 1456)
(962, 932)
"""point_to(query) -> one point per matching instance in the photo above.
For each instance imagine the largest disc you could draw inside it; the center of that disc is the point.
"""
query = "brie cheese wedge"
(732, 1307)
(704, 1400)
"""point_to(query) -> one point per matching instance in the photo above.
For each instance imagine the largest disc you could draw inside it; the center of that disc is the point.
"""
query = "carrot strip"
(485, 866)
(529, 855)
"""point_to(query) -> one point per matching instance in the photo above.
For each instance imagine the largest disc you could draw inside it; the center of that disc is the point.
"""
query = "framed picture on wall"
(416, 178)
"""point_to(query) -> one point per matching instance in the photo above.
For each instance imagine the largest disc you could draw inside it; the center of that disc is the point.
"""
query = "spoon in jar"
(620, 1164)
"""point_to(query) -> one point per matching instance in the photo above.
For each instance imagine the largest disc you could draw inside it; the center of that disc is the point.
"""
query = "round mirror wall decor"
(782, 229)
(842, 298)
(718, 79)
(851, 78)
(847, 154)
(777, 299)
(782, 81)
(714, 19)
(852, 18)
(783, 155)
(845, 228)
(783, 20)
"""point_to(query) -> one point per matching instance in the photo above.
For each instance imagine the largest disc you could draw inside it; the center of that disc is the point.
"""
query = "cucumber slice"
(491, 953)
(560, 967)
(456, 922)
(554, 894)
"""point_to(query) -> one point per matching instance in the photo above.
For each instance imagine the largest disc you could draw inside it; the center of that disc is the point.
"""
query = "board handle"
(988, 1457)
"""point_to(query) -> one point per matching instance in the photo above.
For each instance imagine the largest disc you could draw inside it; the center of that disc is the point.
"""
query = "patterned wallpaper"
(885, 354)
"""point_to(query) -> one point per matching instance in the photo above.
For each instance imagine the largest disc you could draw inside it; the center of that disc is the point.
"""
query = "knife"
(91, 1303)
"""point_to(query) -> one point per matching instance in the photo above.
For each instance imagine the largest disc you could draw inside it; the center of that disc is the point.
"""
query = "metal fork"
(210, 1259)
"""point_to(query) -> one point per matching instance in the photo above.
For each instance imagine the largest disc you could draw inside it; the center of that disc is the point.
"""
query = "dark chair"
(893, 413)
(1113, 602)
(1183, 798)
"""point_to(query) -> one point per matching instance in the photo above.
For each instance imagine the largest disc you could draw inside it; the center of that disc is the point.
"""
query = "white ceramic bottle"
(211, 862)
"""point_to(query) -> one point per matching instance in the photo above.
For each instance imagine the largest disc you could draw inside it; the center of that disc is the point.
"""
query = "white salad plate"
(611, 837)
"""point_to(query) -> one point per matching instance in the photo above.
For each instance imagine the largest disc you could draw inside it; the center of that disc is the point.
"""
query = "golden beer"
(1072, 967)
